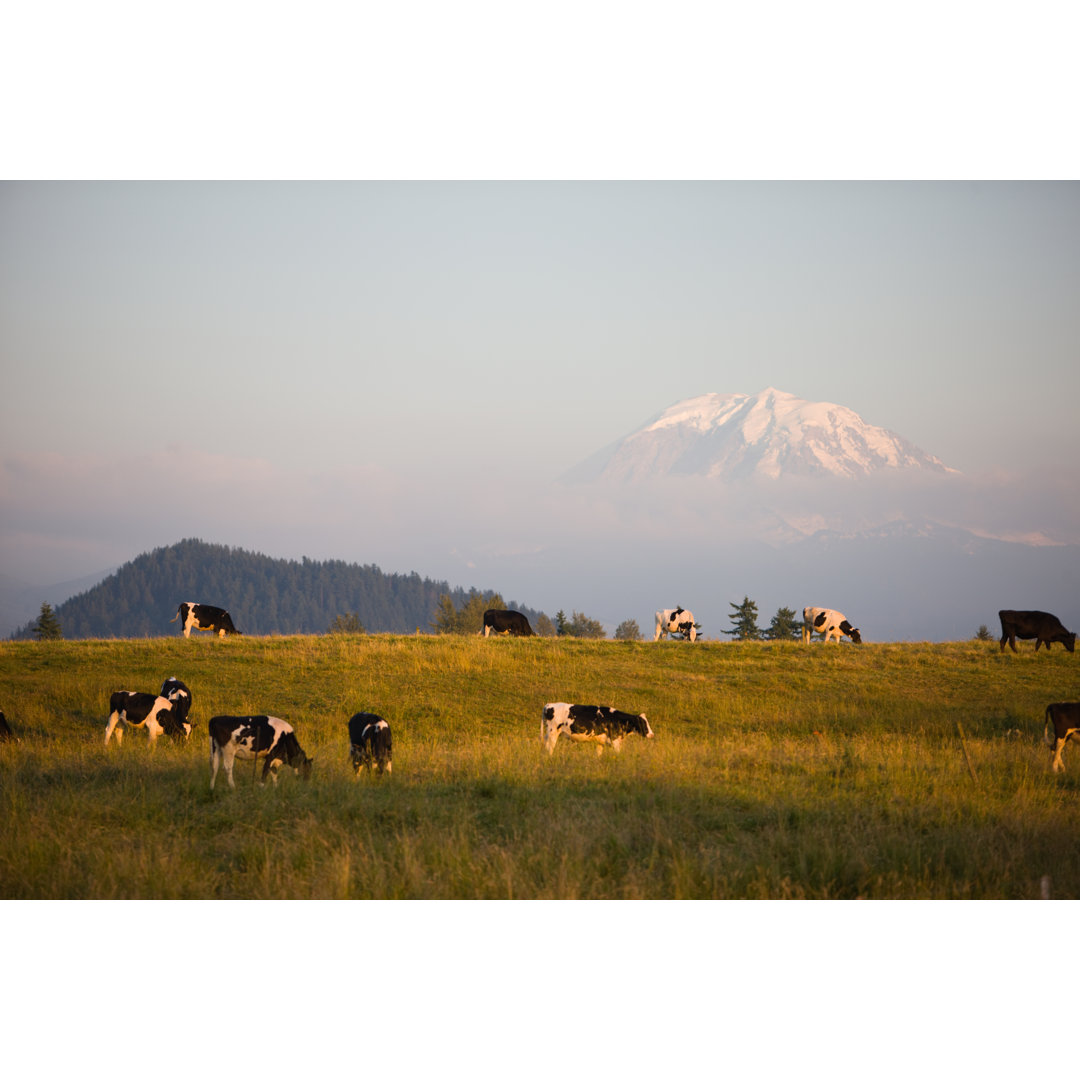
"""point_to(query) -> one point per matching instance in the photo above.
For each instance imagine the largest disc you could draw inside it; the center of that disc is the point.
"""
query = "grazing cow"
(264, 737)
(820, 620)
(179, 697)
(675, 621)
(590, 723)
(204, 617)
(370, 743)
(1040, 625)
(149, 711)
(6, 734)
(506, 622)
(1064, 718)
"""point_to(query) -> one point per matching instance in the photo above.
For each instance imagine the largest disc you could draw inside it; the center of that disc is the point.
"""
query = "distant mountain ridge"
(264, 595)
(771, 434)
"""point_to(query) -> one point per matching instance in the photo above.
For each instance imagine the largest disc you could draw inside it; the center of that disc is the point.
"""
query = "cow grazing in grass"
(213, 620)
(152, 712)
(370, 743)
(826, 621)
(506, 622)
(6, 734)
(1040, 625)
(1062, 724)
(179, 697)
(590, 723)
(249, 737)
(675, 621)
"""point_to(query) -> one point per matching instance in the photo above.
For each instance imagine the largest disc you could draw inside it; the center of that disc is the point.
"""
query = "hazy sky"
(385, 371)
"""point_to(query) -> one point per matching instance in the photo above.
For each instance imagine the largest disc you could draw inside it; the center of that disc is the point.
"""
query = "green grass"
(776, 771)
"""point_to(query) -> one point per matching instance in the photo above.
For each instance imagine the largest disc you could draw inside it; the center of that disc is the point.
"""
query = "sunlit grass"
(776, 771)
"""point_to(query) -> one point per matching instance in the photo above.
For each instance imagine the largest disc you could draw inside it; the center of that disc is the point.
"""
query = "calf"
(590, 723)
(1040, 625)
(675, 621)
(506, 622)
(149, 711)
(370, 743)
(179, 697)
(1064, 718)
(204, 617)
(826, 621)
(264, 737)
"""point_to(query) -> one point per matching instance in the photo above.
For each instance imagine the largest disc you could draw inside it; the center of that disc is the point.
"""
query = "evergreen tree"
(744, 620)
(581, 626)
(784, 626)
(47, 627)
(562, 627)
(983, 633)
(346, 624)
(628, 630)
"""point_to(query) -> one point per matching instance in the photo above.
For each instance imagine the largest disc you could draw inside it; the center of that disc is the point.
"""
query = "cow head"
(851, 631)
(641, 726)
(302, 765)
(1069, 641)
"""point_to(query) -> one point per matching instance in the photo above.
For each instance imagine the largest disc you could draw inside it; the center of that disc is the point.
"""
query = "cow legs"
(1010, 639)
(112, 725)
(1056, 764)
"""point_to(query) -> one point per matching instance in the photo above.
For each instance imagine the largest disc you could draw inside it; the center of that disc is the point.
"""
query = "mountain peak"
(769, 434)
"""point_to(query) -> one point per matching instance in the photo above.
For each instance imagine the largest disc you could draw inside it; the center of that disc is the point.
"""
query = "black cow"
(6, 734)
(149, 711)
(179, 696)
(506, 622)
(204, 617)
(370, 743)
(264, 737)
(590, 723)
(1063, 717)
(1040, 625)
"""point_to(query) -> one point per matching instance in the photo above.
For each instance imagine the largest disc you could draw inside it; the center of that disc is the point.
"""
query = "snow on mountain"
(738, 436)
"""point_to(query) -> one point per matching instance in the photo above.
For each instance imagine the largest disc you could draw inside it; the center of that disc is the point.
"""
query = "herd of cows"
(274, 741)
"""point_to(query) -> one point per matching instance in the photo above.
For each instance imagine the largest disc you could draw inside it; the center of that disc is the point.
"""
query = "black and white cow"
(506, 622)
(1062, 724)
(675, 621)
(150, 711)
(6, 734)
(204, 617)
(821, 620)
(265, 737)
(590, 723)
(179, 697)
(370, 743)
(1040, 625)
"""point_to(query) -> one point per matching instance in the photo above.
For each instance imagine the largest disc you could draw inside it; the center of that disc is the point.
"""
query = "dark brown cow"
(1040, 625)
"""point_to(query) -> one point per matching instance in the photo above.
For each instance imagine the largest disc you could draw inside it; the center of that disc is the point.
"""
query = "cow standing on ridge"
(204, 617)
(1040, 625)
(675, 621)
(827, 621)
(506, 622)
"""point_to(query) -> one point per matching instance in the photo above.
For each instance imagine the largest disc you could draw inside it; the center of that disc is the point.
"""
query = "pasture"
(777, 770)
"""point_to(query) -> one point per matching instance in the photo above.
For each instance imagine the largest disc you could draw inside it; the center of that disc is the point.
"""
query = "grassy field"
(776, 771)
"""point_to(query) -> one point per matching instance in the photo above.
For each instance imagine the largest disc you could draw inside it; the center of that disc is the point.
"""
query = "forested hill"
(263, 595)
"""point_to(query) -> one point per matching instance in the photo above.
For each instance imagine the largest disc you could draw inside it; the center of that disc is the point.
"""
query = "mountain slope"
(263, 595)
(770, 434)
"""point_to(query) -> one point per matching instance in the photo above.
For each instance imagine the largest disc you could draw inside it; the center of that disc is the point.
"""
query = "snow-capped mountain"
(769, 434)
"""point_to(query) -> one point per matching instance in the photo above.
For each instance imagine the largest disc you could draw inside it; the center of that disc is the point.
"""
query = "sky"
(390, 371)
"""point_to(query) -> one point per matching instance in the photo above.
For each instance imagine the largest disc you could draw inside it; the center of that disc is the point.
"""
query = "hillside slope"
(263, 595)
